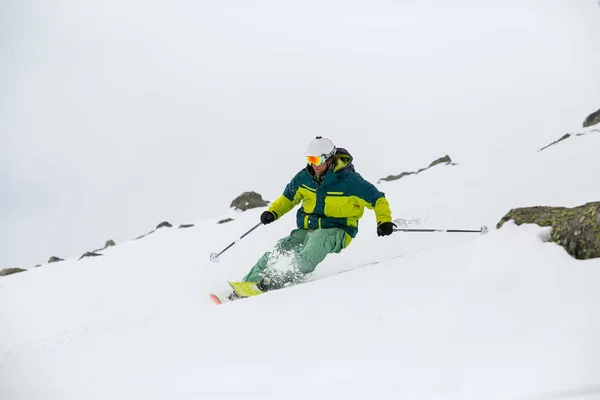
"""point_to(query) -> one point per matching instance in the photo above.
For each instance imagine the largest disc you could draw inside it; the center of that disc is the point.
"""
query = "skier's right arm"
(287, 201)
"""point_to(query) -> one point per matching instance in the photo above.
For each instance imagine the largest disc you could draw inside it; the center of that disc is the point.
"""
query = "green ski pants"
(308, 246)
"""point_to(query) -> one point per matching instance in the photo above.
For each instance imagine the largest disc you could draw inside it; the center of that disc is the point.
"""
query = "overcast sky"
(118, 114)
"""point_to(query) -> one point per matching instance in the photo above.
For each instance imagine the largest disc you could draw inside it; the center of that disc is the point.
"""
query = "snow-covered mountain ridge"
(448, 316)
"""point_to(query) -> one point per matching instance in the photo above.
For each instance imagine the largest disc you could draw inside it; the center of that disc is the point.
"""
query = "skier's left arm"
(376, 201)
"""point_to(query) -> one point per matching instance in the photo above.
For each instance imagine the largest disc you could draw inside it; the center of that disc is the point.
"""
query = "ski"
(215, 299)
(242, 290)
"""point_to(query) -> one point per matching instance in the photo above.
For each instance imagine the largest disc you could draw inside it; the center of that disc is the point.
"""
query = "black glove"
(385, 228)
(267, 217)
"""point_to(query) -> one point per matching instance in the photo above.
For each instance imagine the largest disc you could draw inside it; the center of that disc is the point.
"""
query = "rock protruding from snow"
(109, 243)
(446, 159)
(576, 229)
(164, 224)
(90, 254)
(10, 271)
(564, 137)
(54, 259)
(592, 119)
(248, 201)
(442, 160)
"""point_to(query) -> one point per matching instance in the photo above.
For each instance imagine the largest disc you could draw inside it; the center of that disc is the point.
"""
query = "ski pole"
(214, 257)
(483, 230)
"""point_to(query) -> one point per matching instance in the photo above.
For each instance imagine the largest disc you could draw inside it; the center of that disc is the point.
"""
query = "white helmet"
(320, 147)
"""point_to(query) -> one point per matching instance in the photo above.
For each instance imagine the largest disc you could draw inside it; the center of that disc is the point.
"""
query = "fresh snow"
(505, 315)
(119, 114)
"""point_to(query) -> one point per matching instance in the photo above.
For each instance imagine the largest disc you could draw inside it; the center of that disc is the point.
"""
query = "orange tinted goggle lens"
(314, 160)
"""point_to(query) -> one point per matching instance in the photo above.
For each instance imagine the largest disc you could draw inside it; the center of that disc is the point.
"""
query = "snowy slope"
(439, 316)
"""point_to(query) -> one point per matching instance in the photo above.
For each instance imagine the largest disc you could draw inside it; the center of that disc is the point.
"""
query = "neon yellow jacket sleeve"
(282, 205)
(382, 210)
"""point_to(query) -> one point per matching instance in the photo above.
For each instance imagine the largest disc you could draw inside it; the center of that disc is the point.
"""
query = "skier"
(333, 197)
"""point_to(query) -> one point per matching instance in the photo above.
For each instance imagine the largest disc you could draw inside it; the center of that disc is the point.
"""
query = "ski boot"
(279, 280)
(233, 296)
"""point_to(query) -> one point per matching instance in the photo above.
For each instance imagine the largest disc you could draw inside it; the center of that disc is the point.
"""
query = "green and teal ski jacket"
(335, 200)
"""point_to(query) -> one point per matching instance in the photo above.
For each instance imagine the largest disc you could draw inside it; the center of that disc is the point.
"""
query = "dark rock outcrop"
(446, 159)
(54, 259)
(396, 177)
(564, 137)
(183, 226)
(576, 229)
(224, 221)
(248, 201)
(109, 243)
(442, 160)
(592, 119)
(568, 135)
(144, 235)
(90, 254)
(10, 271)
(164, 224)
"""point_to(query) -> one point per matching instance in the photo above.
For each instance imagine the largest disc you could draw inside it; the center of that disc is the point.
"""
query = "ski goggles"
(316, 160)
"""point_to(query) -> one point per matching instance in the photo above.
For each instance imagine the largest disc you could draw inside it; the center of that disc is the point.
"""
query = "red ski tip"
(215, 299)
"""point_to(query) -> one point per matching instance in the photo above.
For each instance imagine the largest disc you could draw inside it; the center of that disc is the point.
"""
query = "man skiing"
(333, 197)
